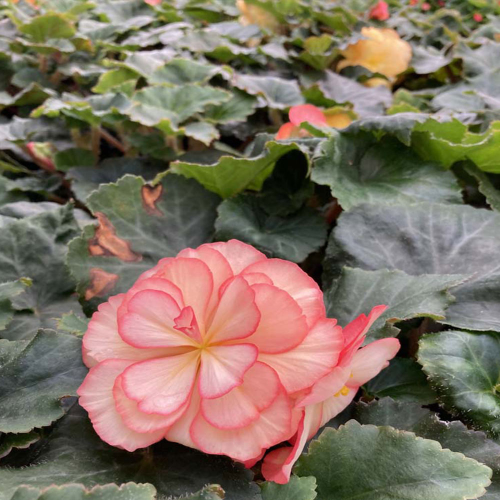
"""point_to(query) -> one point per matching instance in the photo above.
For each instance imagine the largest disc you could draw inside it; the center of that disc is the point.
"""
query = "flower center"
(187, 324)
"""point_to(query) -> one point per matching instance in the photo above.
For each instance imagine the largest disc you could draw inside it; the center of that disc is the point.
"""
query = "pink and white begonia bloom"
(223, 350)
(207, 349)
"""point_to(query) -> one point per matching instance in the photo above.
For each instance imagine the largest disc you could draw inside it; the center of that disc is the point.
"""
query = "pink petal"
(286, 131)
(238, 254)
(218, 265)
(254, 278)
(360, 326)
(102, 340)
(371, 360)
(282, 325)
(237, 315)
(223, 368)
(179, 432)
(194, 278)
(277, 465)
(306, 113)
(137, 420)
(305, 364)
(242, 406)
(150, 321)
(273, 426)
(96, 396)
(290, 278)
(335, 405)
(327, 386)
(162, 385)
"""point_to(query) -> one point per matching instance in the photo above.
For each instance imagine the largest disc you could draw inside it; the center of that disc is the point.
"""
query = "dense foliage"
(130, 130)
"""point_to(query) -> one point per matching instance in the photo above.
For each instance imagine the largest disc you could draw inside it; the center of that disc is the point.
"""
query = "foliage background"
(131, 130)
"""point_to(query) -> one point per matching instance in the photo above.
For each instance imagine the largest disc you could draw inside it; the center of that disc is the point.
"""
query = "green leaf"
(402, 380)
(33, 382)
(238, 108)
(126, 491)
(183, 71)
(48, 26)
(230, 175)
(428, 59)
(428, 238)
(36, 247)
(366, 101)
(381, 463)
(72, 323)
(491, 194)
(148, 223)
(73, 157)
(276, 93)
(357, 291)
(292, 237)
(464, 368)
(116, 80)
(452, 435)
(298, 488)
(166, 107)
(449, 142)
(8, 442)
(8, 290)
(73, 453)
(359, 170)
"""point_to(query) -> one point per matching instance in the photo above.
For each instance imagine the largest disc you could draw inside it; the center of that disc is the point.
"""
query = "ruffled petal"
(306, 113)
(272, 427)
(96, 396)
(335, 405)
(102, 340)
(161, 385)
(150, 321)
(223, 368)
(242, 406)
(137, 420)
(195, 279)
(289, 277)
(238, 254)
(278, 464)
(179, 432)
(237, 316)
(359, 327)
(305, 364)
(371, 360)
(218, 265)
(282, 325)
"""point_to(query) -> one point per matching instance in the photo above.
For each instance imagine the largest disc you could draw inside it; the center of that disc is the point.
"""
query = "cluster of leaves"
(132, 129)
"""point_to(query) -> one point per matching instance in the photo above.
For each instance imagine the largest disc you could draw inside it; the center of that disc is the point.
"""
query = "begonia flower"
(208, 350)
(381, 51)
(380, 11)
(313, 115)
(254, 14)
(333, 393)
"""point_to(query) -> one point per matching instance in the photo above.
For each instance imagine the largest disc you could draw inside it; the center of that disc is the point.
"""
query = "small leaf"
(71, 323)
(8, 290)
(8, 442)
(464, 369)
(292, 237)
(183, 71)
(298, 488)
(33, 382)
(486, 187)
(48, 26)
(381, 463)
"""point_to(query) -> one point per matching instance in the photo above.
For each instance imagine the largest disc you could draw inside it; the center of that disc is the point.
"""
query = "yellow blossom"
(381, 51)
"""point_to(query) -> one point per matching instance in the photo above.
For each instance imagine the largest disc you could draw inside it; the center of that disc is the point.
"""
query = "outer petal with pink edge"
(223, 368)
(282, 325)
(277, 465)
(272, 427)
(242, 406)
(96, 396)
(371, 360)
(316, 356)
(238, 254)
(163, 385)
(289, 277)
(102, 340)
